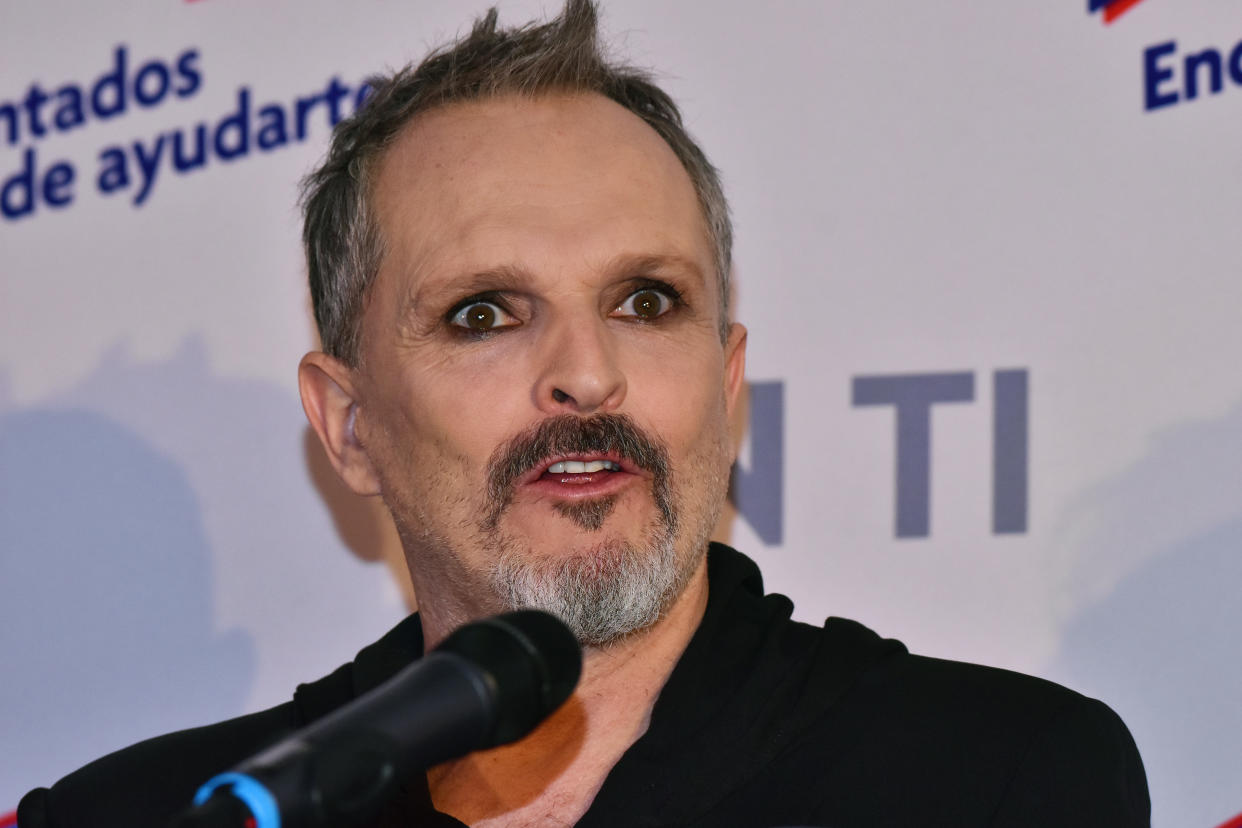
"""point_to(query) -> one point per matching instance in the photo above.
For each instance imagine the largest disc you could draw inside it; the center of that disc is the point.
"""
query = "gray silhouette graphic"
(1155, 557)
(168, 560)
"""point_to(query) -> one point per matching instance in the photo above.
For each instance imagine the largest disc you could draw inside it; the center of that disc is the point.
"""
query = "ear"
(330, 400)
(735, 364)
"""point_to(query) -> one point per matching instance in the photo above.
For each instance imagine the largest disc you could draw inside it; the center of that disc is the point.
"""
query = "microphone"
(489, 683)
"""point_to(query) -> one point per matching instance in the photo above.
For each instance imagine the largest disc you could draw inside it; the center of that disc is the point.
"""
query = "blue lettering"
(108, 93)
(142, 92)
(1154, 75)
(56, 185)
(1211, 59)
(272, 133)
(189, 72)
(1010, 446)
(113, 170)
(304, 106)
(333, 95)
(107, 97)
(17, 194)
(9, 113)
(69, 112)
(759, 492)
(148, 164)
(1235, 64)
(183, 163)
(35, 99)
(239, 123)
(152, 83)
(913, 396)
(20, 192)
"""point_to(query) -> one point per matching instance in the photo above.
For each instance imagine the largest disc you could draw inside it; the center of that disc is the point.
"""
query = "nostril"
(559, 395)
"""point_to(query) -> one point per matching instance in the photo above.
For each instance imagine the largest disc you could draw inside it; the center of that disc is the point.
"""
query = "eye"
(647, 303)
(482, 316)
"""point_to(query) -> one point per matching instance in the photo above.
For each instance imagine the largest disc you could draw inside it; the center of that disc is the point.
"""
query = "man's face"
(543, 394)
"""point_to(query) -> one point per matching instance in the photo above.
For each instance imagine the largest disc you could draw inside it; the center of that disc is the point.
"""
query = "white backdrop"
(919, 189)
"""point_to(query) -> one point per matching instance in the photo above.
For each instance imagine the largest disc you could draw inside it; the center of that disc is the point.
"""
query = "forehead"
(543, 184)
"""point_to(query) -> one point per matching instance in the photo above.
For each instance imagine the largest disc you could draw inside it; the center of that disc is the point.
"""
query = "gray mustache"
(566, 434)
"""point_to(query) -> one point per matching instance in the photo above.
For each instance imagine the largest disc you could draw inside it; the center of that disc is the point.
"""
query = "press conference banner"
(987, 253)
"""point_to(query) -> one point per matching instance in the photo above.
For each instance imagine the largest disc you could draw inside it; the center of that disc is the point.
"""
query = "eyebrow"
(637, 265)
(492, 279)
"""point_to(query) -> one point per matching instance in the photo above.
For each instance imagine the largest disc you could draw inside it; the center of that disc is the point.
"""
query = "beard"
(611, 589)
(604, 594)
(604, 590)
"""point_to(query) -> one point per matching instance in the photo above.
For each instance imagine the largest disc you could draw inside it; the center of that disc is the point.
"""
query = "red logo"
(1112, 8)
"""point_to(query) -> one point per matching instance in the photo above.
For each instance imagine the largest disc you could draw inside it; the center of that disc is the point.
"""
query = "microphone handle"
(338, 773)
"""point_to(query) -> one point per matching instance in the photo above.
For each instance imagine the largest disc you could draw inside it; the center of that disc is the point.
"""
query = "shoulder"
(147, 784)
(835, 725)
(910, 704)
(1017, 749)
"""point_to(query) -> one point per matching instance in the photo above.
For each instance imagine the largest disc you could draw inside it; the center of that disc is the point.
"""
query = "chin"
(604, 590)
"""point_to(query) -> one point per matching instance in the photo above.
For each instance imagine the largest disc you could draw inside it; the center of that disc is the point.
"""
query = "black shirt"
(764, 722)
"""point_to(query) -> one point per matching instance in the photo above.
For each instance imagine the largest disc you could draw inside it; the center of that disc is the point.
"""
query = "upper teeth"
(579, 467)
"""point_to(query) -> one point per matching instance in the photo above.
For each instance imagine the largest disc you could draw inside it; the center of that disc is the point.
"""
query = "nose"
(580, 371)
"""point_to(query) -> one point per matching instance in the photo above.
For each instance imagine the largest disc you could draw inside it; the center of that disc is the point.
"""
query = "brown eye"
(482, 316)
(647, 304)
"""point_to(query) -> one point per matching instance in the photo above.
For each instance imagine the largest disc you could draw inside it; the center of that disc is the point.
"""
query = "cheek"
(683, 393)
(687, 411)
(471, 413)
(449, 423)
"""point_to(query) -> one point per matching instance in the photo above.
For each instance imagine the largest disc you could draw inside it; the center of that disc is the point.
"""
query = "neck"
(551, 776)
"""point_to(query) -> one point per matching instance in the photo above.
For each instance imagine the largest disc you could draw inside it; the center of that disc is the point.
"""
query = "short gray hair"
(344, 247)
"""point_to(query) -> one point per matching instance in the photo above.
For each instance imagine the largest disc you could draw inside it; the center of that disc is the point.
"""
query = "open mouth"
(574, 471)
(568, 461)
(582, 476)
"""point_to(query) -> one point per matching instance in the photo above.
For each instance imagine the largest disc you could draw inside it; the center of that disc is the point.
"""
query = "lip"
(580, 486)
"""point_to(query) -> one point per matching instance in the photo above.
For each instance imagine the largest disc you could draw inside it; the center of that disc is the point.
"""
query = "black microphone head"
(531, 662)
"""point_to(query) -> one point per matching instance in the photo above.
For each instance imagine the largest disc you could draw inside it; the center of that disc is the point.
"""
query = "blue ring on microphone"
(249, 790)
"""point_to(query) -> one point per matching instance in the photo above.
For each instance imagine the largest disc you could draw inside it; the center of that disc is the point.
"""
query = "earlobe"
(330, 401)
